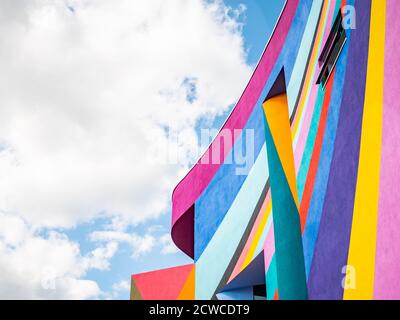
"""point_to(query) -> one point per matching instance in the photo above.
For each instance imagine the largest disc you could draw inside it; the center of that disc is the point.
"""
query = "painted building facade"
(317, 215)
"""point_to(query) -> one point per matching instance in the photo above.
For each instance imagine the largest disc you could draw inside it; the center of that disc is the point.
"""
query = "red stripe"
(312, 171)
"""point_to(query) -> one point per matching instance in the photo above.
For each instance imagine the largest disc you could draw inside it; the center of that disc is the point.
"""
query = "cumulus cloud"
(119, 288)
(155, 237)
(140, 245)
(168, 247)
(87, 89)
(34, 266)
(86, 93)
(122, 285)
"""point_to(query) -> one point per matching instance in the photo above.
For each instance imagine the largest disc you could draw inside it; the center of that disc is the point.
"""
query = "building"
(317, 215)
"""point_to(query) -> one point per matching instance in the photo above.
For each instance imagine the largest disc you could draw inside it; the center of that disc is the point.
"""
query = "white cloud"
(118, 290)
(85, 95)
(87, 89)
(99, 257)
(122, 285)
(140, 244)
(168, 246)
(34, 266)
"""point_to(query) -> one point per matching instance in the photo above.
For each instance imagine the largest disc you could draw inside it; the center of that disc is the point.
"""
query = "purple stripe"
(387, 264)
(331, 251)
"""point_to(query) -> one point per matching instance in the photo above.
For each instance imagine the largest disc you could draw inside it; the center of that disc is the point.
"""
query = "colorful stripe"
(317, 215)
(331, 250)
(363, 232)
(387, 264)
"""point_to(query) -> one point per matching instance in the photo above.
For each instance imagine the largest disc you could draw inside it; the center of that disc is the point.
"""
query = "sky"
(88, 91)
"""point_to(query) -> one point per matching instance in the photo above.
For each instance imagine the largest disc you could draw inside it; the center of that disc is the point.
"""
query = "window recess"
(332, 50)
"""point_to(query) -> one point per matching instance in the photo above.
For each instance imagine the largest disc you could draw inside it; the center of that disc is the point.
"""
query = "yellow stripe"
(260, 229)
(363, 234)
(257, 236)
(311, 71)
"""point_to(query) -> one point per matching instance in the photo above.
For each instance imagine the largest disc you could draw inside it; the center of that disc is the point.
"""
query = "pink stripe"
(198, 178)
(190, 188)
(269, 247)
(387, 264)
(309, 109)
(246, 248)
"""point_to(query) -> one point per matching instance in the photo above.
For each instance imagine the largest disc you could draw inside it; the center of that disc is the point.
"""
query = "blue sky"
(260, 18)
(92, 87)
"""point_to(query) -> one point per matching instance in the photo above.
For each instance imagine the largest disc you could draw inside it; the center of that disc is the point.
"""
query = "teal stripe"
(271, 280)
(312, 133)
(290, 267)
(300, 65)
(306, 159)
(314, 68)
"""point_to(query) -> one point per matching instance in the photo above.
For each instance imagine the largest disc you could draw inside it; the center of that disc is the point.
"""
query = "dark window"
(260, 292)
(332, 49)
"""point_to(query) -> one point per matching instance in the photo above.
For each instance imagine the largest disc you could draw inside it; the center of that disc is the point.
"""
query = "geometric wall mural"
(317, 214)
